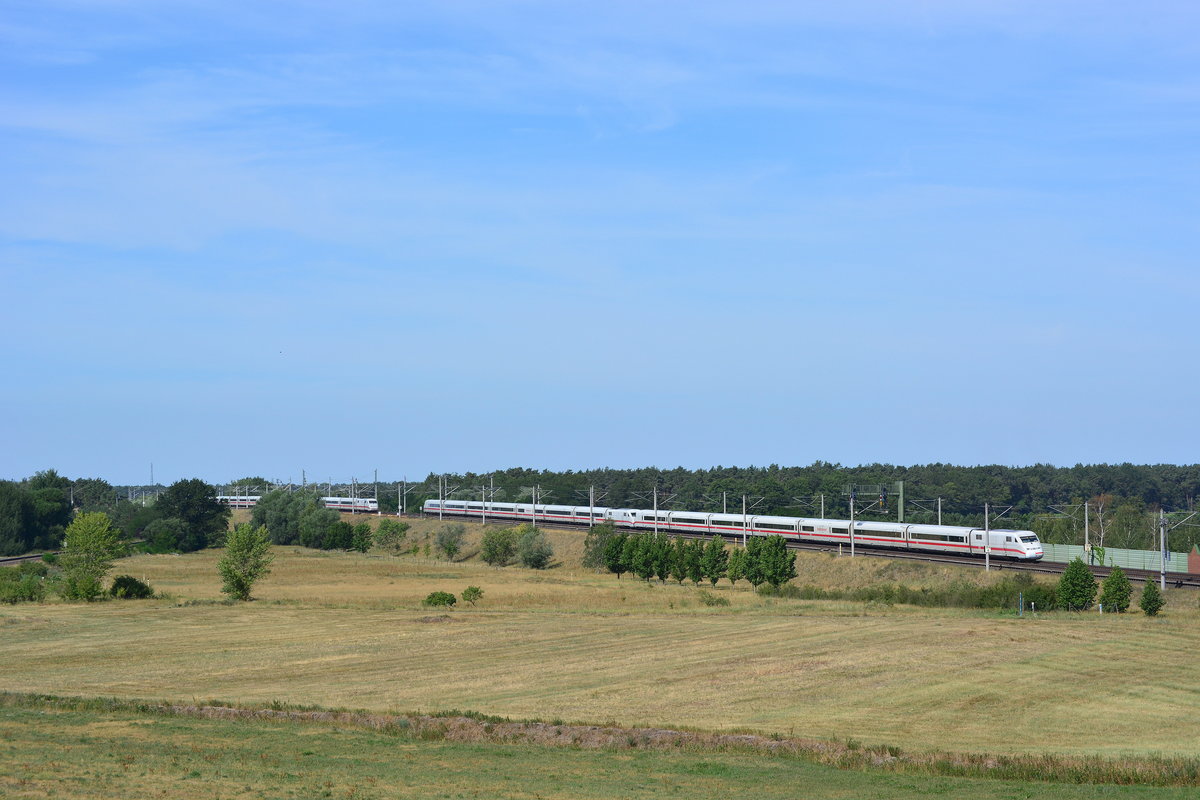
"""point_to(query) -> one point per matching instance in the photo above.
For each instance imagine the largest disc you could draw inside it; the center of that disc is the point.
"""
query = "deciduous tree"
(246, 560)
(614, 555)
(716, 560)
(90, 547)
(1117, 592)
(449, 539)
(195, 502)
(499, 546)
(534, 549)
(1076, 587)
(1152, 600)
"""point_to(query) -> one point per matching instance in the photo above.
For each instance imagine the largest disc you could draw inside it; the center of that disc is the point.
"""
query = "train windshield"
(1029, 539)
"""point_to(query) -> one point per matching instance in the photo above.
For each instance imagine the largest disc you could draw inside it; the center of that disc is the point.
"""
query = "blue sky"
(257, 238)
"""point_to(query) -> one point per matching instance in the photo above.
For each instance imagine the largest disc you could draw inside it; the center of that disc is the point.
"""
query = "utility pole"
(939, 511)
(591, 505)
(441, 495)
(744, 519)
(852, 499)
(1087, 544)
(1162, 550)
(655, 510)
(987, 540)
(377, 511)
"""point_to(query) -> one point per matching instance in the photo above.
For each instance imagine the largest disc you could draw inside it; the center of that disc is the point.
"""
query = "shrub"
(127, 587)
(534, 549)
(439, 599)
(472, 594)
(163, 535)
(361, 538)
(390, 536)
(710, 599)
(449, 539)
(23, 584)
(1152, 599)
(499, 546)
(595, 546)
(1076, 587)
(1117, 592)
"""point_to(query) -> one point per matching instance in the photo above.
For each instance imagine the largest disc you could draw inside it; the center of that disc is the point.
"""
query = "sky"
(257, 238)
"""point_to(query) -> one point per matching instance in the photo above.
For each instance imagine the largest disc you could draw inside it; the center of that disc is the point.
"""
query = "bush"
(499, 546)
(390, 536)
(164, 535)
(361, 539)
(23, 584)
(1117, 592)
(1152, 599)
(472, 594)
(1076, 587)
(439, 599)
(710, 599)
(534, 548)
(127, 587)
(449, 539)
(595, 546)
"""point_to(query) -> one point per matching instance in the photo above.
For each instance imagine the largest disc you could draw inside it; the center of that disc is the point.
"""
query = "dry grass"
(101, 749)
(343, 630)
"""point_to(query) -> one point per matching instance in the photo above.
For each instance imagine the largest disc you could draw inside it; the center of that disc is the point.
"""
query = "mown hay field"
(347, 630)
(64, 753)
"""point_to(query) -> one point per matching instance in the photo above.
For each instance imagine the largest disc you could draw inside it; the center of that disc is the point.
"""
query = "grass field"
(344, 630)
(87, 753)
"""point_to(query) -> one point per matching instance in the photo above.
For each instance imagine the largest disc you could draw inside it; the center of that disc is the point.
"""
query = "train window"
(979, 537)
(808, 528)
(727, 523)
(689, 521)
(955, 539)
(771, 526)
(1028, 539)
(888, 534)
(838, 530)
(1008, 538)
(648, 517)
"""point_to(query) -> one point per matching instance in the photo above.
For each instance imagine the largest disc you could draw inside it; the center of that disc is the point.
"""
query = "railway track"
(8, 561)
(1174, 579)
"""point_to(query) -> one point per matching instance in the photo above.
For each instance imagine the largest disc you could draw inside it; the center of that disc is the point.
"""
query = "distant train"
(357, 504)
(1018, 545)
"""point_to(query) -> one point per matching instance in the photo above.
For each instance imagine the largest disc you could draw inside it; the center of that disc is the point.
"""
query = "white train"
(359, 504)
(1019, 545)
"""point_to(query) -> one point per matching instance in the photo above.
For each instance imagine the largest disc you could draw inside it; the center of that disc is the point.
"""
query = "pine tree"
(1152, 599)
(1117, 592)
(716, 560)
(1076, 587)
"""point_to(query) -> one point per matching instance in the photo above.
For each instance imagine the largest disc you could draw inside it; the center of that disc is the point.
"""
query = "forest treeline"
(1123, 499)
